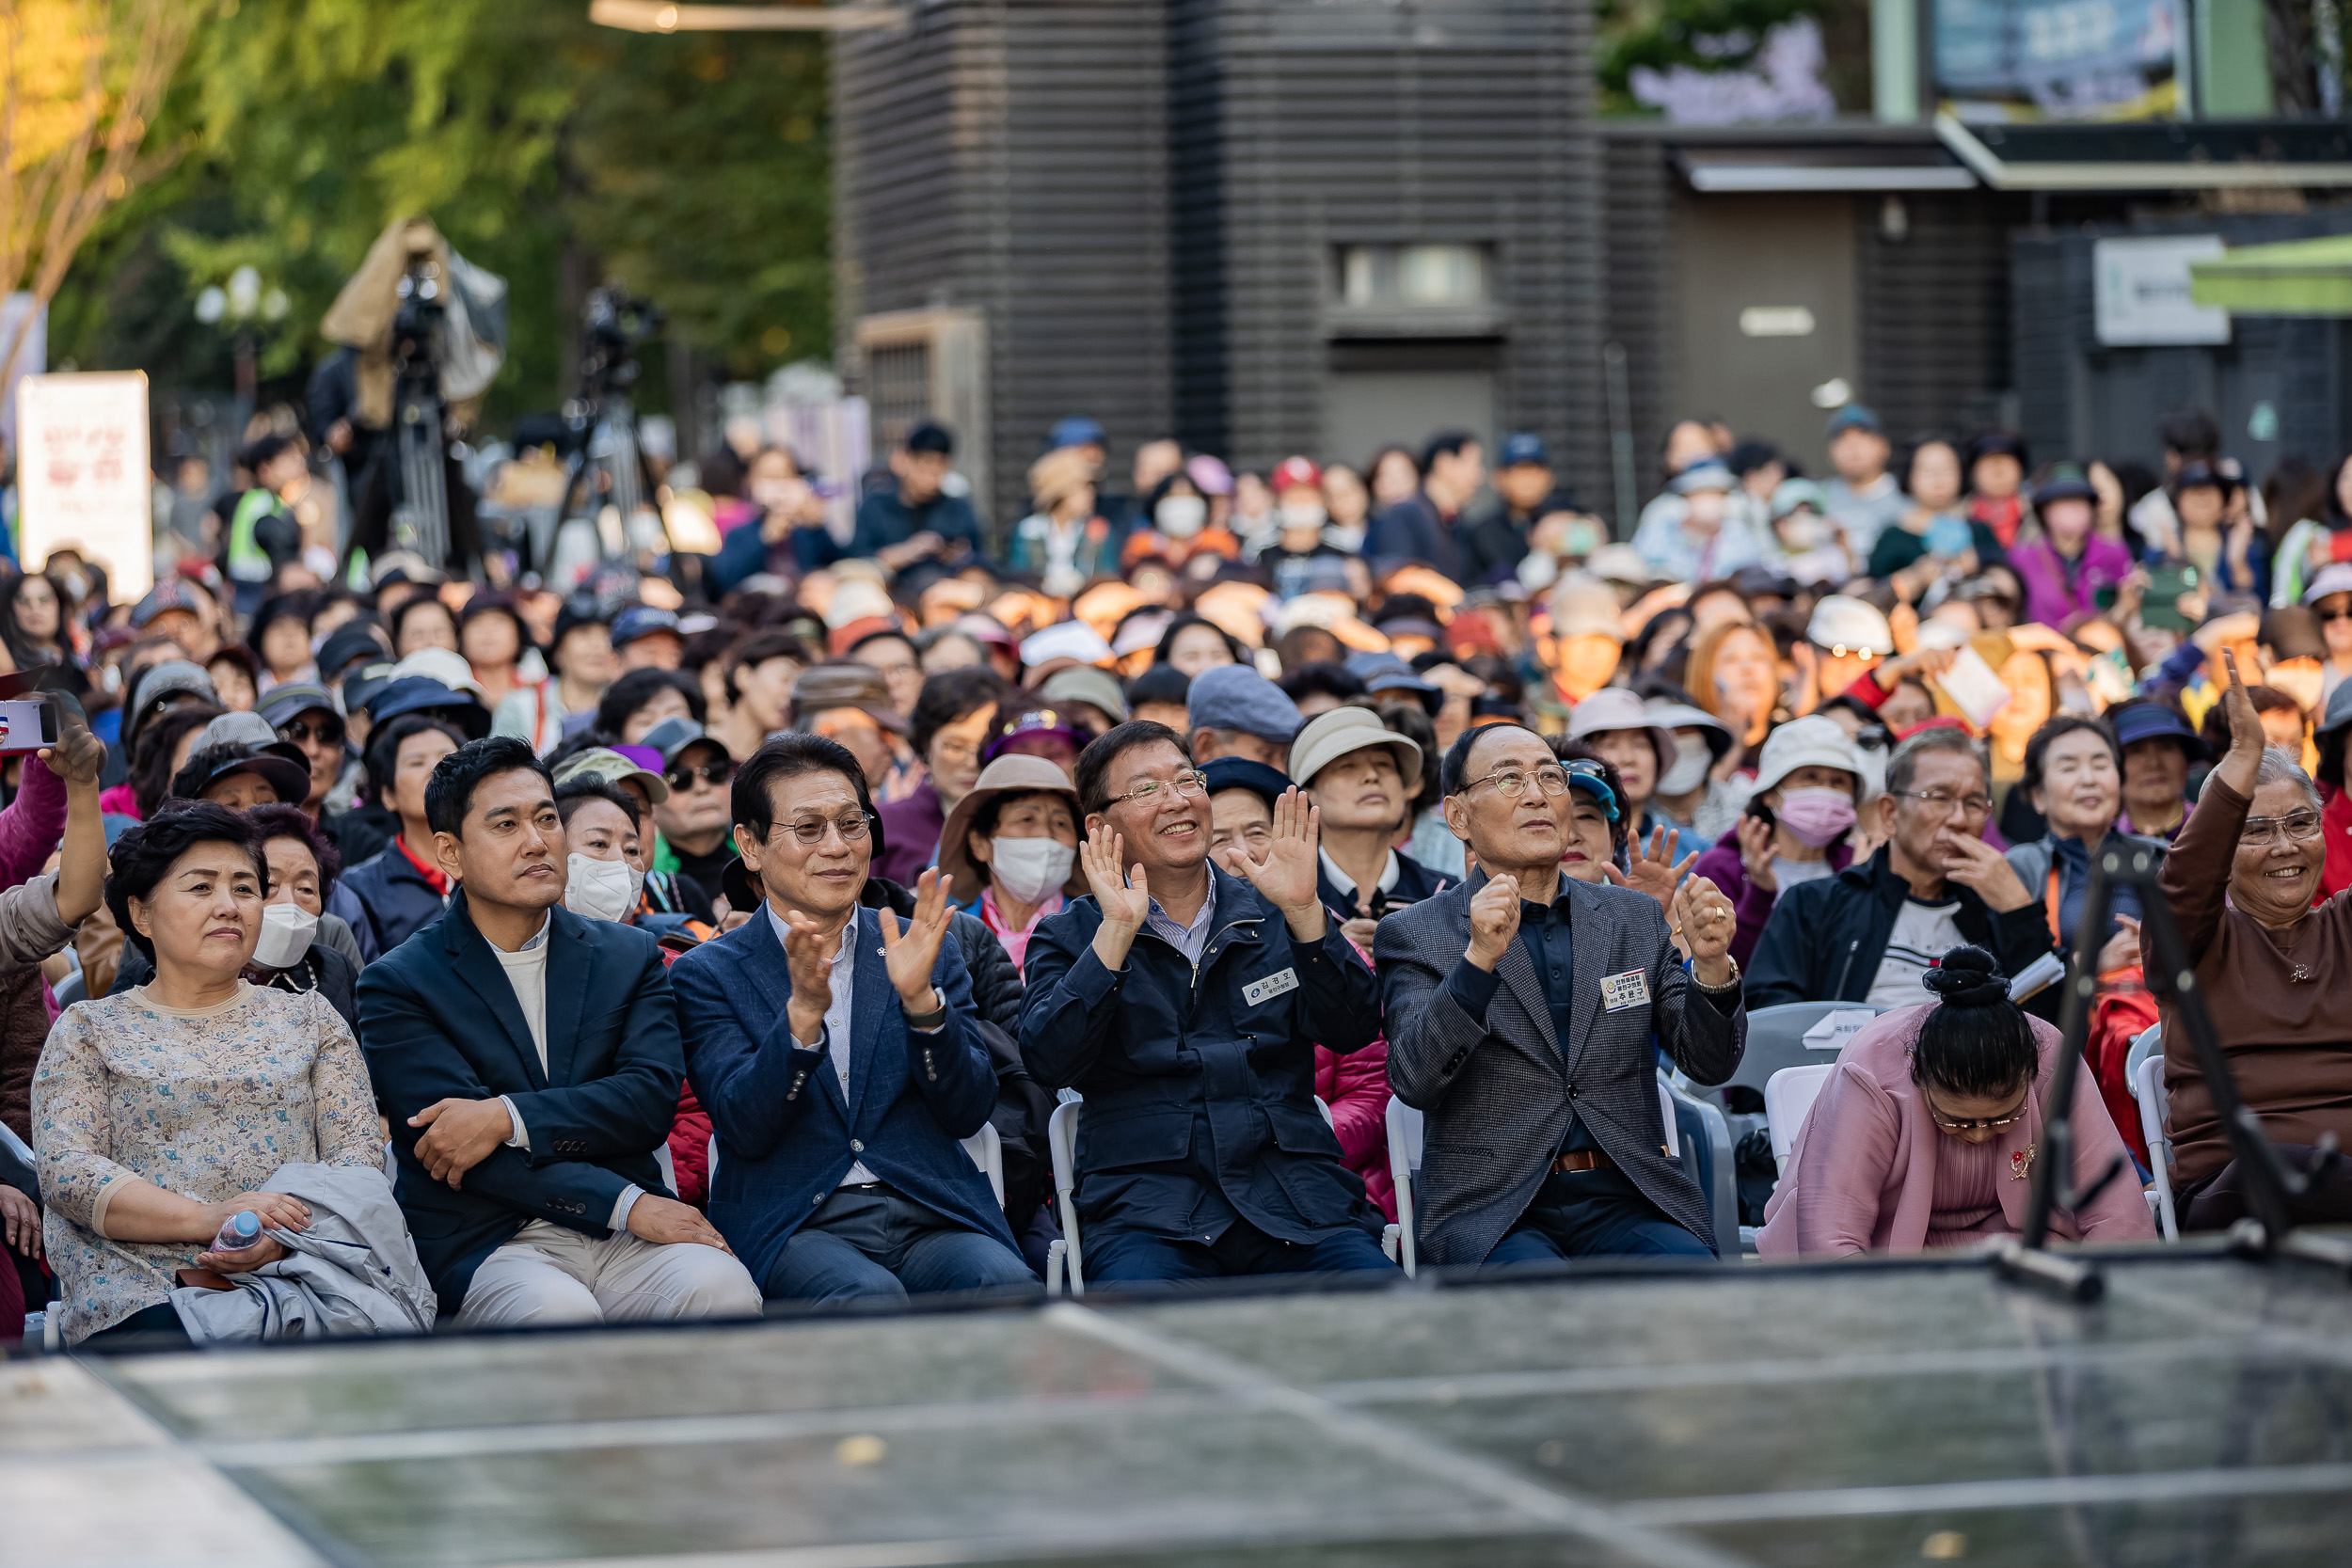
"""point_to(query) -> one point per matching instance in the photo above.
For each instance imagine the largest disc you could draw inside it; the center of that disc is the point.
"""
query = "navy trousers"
(1130, 1258)
(872, 1242)
(1594, 1214)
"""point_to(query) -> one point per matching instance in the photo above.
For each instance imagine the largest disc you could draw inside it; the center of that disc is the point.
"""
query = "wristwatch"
(1730, 985)
(932, 1020)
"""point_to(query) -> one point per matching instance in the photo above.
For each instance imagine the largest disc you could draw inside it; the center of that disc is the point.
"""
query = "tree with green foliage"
(557, 153)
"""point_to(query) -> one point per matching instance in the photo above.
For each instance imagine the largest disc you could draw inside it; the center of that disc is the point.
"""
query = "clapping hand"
(1655, 870)
(808, 954)
(1125, 898)
(1286, 874)
(911, 958)
(1756, 853)
(1704, 923)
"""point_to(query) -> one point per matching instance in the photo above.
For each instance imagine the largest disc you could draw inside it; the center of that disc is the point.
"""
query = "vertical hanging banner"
(83, 480)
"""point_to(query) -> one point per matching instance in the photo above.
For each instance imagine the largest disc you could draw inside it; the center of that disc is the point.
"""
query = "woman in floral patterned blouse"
(157, 1114)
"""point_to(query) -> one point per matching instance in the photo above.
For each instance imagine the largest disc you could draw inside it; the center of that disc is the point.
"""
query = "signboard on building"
(2056, 59)
(81, 474)
(2140, 294)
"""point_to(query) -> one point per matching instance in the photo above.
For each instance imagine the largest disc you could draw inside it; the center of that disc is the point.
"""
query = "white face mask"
(600, 889)
(287, 931)
(1032, 869)
(1180, 516)
(1692, 756)
(1802, 531)
(1300, 519)
(1347, 541)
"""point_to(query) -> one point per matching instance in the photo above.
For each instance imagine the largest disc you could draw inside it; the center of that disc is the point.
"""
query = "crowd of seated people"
(679, 946)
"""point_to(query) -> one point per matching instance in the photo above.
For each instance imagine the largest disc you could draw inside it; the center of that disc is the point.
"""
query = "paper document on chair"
(2044, 973)
(1836, 1029)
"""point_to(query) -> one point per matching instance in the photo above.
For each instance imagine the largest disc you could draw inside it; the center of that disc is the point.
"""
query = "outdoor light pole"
(239, 306)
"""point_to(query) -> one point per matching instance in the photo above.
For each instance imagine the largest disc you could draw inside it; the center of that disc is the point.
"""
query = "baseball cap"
(1794, 493)
(1076, 431)
(169, 594)
(281, 703)
(845, 684)
(672, 736)
(1293, 473)
(1388, 671)
(642, 620)
(1162, 683)
(258, 751)
(402, 695)
(1210, 475)
(1032, 722)
(1523, 448)
(2064, 482)
(2152, 721)
(1083, 683)
(1329, 737)
(1855, 416)
(1814, 740)
(353, 643)
(1235, 697)
(171, 675)
(1840, 621)
(2334, 577)
(1266, 783)
(930, 436)
(609, 764)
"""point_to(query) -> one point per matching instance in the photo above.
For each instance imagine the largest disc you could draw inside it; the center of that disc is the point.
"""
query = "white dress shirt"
(835, 1041)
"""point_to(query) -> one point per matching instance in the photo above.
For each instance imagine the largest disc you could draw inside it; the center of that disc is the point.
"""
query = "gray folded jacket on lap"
(354, 1272)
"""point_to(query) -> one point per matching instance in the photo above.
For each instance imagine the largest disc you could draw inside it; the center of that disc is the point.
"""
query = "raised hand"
(1125, 902)
(1703, 921)
(1655, 870)
(1756, 853)
(2242, 766)
(78, 757)
(911, 958)
(2122, 949)
(1494, 913)
(1286, 873)
(808, 953)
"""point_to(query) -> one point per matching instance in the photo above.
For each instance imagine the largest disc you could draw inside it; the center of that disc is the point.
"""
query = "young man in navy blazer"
(834, 1055)
(527, 1060)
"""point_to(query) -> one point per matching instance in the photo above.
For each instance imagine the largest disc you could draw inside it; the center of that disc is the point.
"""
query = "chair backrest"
(987, 1149)
(1788, 1094)
(1404, 1124)
(2155, 1108)
(17, 1145)
(73, 988)
(1776, 1041)
(1061, 1142)
(1702, 1137)
(2148, 1042)
(1672, 1147)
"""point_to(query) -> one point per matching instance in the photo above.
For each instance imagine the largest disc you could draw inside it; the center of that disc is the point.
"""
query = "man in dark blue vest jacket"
(837, 1057)
(1185, 1002)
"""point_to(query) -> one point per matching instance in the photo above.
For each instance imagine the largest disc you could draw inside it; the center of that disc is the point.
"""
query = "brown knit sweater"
(2289, 1042)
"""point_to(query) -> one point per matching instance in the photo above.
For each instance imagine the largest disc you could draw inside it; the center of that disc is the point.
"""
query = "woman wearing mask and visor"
(1798, 823)
(1015, 838)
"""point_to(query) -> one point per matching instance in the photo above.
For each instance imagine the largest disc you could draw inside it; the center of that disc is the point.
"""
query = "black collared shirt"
(1546, 934)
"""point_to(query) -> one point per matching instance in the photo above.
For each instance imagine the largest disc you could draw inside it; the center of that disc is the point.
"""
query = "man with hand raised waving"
(1184, 999)
(1523, 1009)
(836, 1057)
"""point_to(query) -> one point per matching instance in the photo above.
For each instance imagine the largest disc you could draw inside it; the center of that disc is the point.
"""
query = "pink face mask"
(1816, 817)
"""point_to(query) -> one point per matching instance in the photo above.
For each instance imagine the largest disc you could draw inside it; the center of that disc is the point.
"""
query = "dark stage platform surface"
(1872, 1413)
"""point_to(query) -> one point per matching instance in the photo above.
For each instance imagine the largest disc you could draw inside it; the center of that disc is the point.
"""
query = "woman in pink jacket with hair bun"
(1926, 1133)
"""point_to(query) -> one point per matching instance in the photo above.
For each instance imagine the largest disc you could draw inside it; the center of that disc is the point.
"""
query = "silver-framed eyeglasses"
(1156, 793)
(1936, 800)
(2295, 827)
(1512, 783)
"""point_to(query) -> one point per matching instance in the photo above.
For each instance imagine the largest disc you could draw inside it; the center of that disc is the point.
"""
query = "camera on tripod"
(612, 324)
(417, 318)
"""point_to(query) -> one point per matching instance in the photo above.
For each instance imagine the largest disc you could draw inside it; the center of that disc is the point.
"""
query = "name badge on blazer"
(1272, 985)
(1620, 991)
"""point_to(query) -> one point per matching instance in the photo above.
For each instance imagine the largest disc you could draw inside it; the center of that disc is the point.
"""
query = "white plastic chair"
(1405, 1128)
(2148, 1042)
(1672, 1146)
(988, 1152)
(1788, 1095)
(2154, 1105)
(1061, 1141)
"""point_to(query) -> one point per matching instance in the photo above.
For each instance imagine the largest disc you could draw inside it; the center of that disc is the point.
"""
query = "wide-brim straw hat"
(1017, 774)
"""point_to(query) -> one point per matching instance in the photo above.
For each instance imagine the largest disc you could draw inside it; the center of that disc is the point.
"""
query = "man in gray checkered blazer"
(1520, 1021)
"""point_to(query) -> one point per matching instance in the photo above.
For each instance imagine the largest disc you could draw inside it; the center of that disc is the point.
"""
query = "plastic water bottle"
(238, 1233)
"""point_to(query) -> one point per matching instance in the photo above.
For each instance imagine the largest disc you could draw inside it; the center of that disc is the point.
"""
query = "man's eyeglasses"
(1513, 781)
(1937, 800)
(811, 831)
(2301, 826)
(1151, 792)
(714, 773)
(301, 732)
